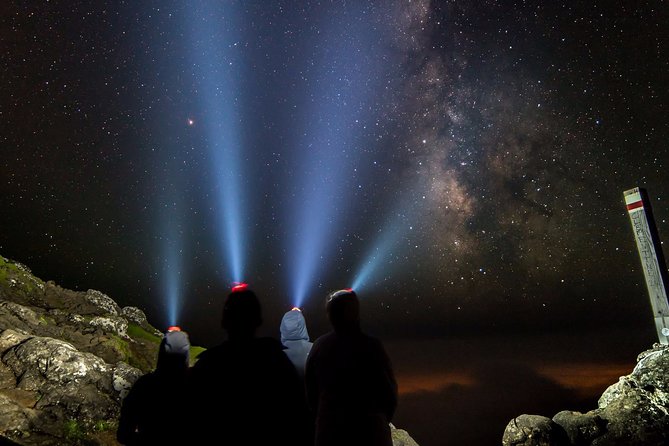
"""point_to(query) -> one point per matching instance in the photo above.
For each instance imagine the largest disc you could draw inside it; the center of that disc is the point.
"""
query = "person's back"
(350, 383)
(295, 339)
(245, 390)
(143, 420)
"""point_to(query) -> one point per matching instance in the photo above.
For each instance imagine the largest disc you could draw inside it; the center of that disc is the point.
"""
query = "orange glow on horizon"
(586, 379)
(433, 382)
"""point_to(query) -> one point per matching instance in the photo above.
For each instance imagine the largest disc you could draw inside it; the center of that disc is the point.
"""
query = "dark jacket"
(143, 412)
(247, 392)
(351, 389)
(295, 339)
(157, 397)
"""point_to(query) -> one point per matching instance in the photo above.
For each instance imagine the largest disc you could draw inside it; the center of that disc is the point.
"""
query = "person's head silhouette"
(241, 314)
(343, 308)
(173, 354)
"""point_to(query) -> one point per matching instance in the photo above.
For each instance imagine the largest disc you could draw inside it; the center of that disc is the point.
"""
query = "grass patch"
(46, 320)
(138, 332)
(104, 426)
(74, 430)
(120, 345)
(194, 351)
(26, 281)
(141, 364)
(4, 269)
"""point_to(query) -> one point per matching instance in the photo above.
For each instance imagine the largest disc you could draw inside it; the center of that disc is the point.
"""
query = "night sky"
(460, 163)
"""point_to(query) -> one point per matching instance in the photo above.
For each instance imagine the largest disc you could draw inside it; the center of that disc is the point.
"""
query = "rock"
(580, 428)
(134, 315)
(534, 430)
(13, 315)
(401, 437)
(71, 385)
(632, 412)
(67, 360)
(7, 378)
(12, 416)
(113, 324)
(76, 319)
(74, 400)
(39, 361)
(103, 302)
(10, 338)
(90, 303)
(123, 377)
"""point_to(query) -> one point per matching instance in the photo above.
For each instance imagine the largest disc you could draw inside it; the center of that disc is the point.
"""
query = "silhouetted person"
(349, 380)
(295, 339)
(246, 391)
(143, 412)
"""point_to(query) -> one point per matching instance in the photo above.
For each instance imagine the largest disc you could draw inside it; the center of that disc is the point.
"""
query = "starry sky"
(461, 162)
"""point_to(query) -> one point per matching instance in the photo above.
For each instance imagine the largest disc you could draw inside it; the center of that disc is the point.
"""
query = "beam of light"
(172, 264)
(215, 60)
(379, 257)
(380, 254)
(338, 107)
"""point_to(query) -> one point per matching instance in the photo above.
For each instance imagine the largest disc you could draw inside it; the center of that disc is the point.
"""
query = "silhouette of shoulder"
(263, 349)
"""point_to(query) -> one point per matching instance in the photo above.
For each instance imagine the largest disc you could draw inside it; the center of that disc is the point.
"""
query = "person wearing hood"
(295, 339)
(142, 420)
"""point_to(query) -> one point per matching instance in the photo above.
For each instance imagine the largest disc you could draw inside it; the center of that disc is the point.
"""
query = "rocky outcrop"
(401, 437)
(67, 359)
(632, 412)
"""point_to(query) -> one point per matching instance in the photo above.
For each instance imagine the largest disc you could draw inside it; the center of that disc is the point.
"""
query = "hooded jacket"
(295, 339)
(142, 419)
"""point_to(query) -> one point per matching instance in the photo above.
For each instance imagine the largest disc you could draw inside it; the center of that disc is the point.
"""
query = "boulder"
(580, 428)
(113, 324)
(10, 338)
(123, 377)
(534, 430)
(12, 416)
(105, 303)
(632, 412)
(39, 361)
(401, 437)
(16, 316)
(136, 316)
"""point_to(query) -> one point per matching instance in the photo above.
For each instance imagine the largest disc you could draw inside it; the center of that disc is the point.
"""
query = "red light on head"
(350, 290)
(173, 328)
(239, 286)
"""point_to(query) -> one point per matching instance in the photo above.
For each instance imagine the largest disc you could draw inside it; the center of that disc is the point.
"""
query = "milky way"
(477, 151)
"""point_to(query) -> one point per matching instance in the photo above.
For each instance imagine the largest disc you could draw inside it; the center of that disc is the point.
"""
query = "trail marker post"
(652, 259)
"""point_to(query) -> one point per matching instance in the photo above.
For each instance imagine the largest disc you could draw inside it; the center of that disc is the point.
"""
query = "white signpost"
(648, 244)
